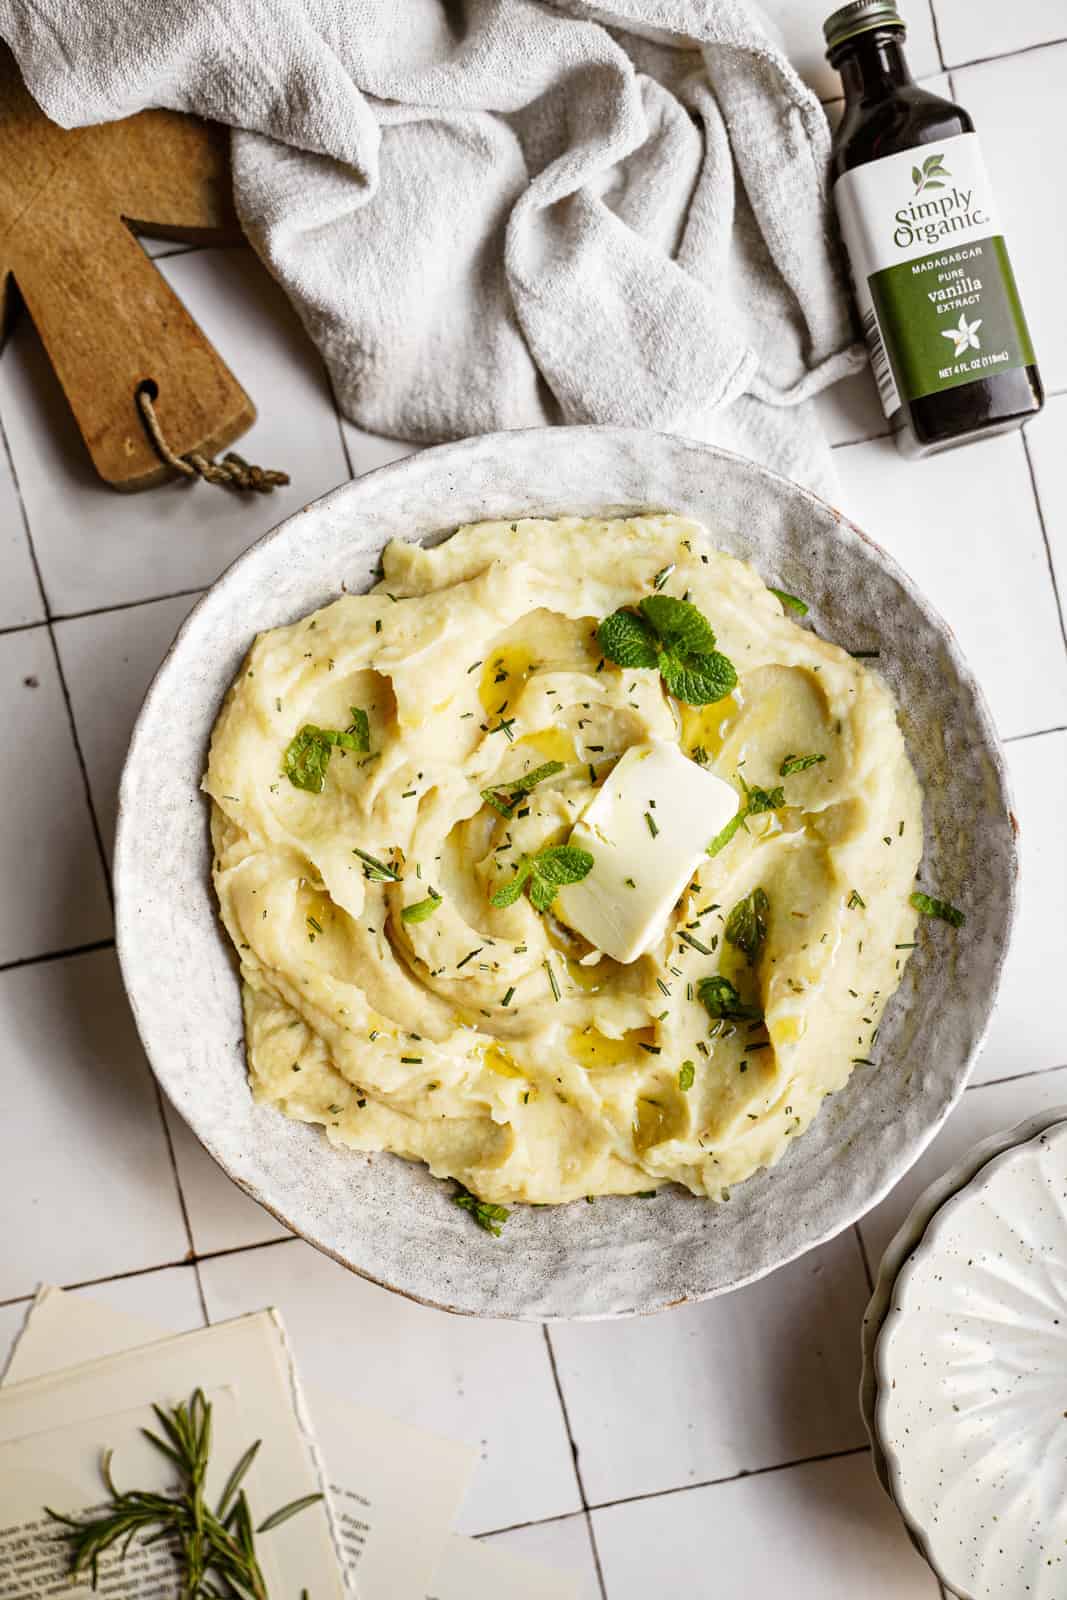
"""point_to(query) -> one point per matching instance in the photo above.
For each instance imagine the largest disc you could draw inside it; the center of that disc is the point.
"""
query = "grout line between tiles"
(595, 1548)
(58, 955)
(80, 754)
(533, 1522)
(1045, 537)
(1014, 1077)
(1008, 55)
(162, 1266)
(23, 627)
(201, 1296)
(5, 443)
(126, 605)
(574, 1458)
(186, 1224)
(340, 426)
(1038, 733)
(937, 32)
(733, 1477)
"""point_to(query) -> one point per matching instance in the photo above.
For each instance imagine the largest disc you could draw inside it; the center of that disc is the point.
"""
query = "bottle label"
(934, 286)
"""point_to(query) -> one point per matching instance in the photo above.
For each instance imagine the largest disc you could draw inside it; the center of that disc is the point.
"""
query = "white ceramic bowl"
(387, 1218)
(971, 1374)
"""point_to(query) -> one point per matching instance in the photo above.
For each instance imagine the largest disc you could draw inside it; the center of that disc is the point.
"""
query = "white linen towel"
(502, 213)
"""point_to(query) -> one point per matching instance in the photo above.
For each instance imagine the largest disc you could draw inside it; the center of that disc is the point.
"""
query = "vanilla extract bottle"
(934, 288)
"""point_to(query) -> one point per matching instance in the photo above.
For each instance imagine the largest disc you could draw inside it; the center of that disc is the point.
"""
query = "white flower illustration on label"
(965, 335)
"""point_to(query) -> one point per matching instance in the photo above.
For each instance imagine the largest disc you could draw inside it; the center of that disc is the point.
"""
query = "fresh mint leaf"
(626, 640)
(560, 864)
(791, 602)
(487, 1215)
(698, 680)
(686, 1076)
(675, 637)
(550, 869)
(930, 906)
(746, 926)
(306, 758)
(793, 764)
(542, 894)
(721, 1000)
(678, 624)
(419, 910)
(509, 892)
(307, 755)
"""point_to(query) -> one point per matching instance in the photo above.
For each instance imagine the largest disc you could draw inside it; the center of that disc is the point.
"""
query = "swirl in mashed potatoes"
(492, 1043)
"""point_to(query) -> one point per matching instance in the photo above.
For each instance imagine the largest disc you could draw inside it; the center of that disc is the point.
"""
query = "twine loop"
(232, 472)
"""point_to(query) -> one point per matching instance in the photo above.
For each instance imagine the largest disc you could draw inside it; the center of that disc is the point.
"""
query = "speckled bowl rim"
(897, 1314)
(908, 1238)
(451, 458)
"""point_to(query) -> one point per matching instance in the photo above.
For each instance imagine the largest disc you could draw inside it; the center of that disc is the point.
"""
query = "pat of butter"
(647, 830)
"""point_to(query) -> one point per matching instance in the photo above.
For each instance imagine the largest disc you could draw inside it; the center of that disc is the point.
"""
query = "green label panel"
(951, 317)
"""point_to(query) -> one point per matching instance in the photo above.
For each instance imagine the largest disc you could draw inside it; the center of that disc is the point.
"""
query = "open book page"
(396, 1489)
(54, 1428)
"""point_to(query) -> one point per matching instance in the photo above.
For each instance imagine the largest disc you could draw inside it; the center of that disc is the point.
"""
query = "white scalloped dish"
(971, 1368)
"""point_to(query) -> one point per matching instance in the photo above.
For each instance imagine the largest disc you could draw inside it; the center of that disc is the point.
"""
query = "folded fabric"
(501, 213)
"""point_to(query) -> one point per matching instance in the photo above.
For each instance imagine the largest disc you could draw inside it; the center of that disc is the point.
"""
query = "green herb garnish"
(856, 901)
(723, 1003)
(930, 906)
(377, 870)
(504, 797)
(791, 602)
(793, 764)
(216, 1548)
(419, 910)
(746, 926)
(550, 869)
(755, 802)
(307, 755)
(486, 1215)
(686, 1075)
(676, 639)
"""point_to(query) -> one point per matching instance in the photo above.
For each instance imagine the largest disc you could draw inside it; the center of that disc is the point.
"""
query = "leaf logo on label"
(931, 173)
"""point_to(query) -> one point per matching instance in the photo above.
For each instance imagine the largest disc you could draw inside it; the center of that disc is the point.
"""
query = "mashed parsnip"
(491, 1043)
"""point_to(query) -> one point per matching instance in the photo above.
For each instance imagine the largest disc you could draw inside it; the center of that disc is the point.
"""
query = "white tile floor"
(709, 1451)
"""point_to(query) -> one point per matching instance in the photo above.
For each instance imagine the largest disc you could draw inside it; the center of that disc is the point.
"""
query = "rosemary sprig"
(216, 1548)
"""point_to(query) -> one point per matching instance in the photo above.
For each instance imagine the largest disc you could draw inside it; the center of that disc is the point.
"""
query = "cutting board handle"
(110, 323)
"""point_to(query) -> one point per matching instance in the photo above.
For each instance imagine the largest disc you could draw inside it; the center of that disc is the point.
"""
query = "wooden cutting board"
(108, 320)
